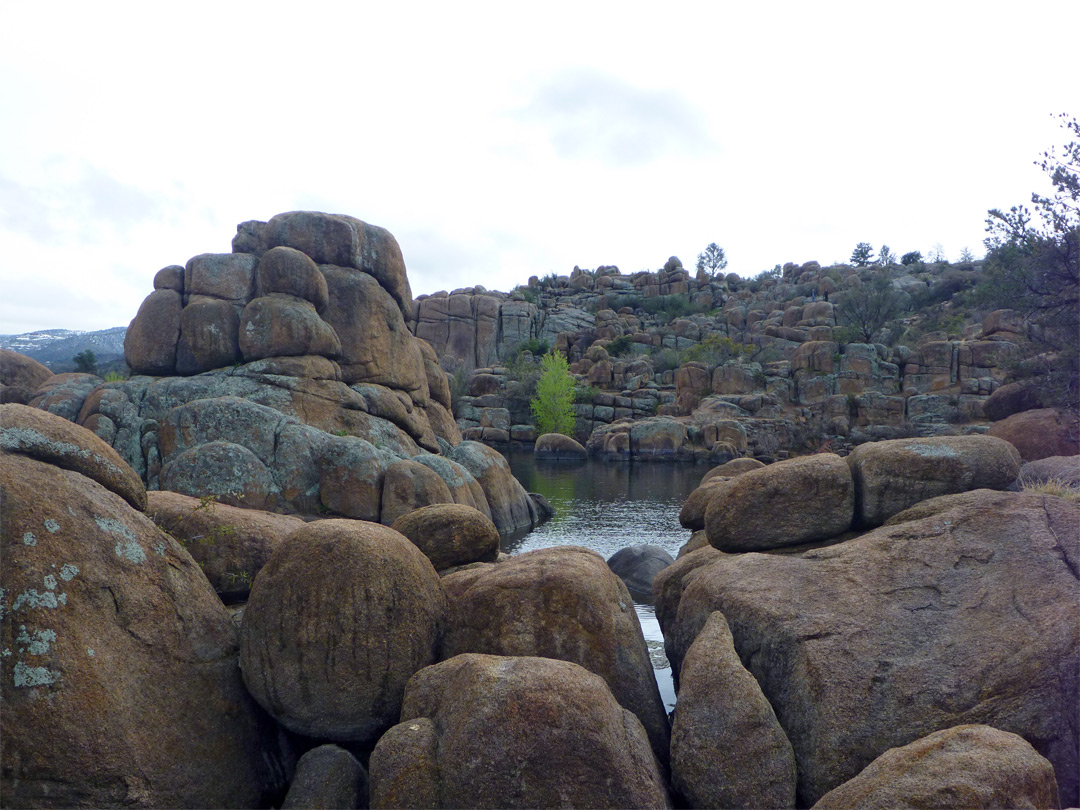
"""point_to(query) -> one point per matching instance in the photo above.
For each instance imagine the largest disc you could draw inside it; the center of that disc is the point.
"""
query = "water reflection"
(607, 506)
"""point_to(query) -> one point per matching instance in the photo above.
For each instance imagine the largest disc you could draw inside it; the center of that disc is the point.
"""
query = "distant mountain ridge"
(54, 348)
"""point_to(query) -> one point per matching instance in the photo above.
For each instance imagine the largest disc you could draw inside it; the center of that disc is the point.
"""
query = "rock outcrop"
(20, 377)
(488, 731)
(961, 611)
(284, 377)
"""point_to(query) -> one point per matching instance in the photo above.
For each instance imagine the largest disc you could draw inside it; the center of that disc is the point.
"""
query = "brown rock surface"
(563, 603)
(727, 748)
(151, 338)
(277, 325)
(55, 440)
(892, 475)
(230, 544)
(226, 276)
(729, 469)
(968, 767)
(338, 620)
(407, 486)
(450, 534)
(487, 731)
(964, 615)
(209, 336)
(120, 684)
(286, 270)
(555, 445)
(782, 504)
(1041, 433)
(20, 377)
(511, 508)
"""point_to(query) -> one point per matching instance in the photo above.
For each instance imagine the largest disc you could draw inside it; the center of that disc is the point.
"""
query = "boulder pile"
(284, 377)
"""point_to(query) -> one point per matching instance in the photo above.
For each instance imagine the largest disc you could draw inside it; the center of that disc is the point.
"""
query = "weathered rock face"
(20, 377)
(231, 545)
(967, 615)
(727, 748)
(338, 620)
(967, 767)
(409, 485)
(1061, 469)
(562, 603)
(56, 441)
(488, 731)
(450, 534)
(1041, 433)
(119, 681)
(892, 475)
(782, 504)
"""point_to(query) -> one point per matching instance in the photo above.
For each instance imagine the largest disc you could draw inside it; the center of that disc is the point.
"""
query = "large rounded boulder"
(562, 603)
(450, 534)
(119, 677)
(1041, 433)
(20, 377)
(783, 504)
(487, 731)
(339, 619)
(892, 475)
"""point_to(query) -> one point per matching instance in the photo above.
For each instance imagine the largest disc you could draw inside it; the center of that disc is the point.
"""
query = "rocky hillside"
(671, 365)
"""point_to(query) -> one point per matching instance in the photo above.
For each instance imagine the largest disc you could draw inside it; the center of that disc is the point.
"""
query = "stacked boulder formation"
(284, 376)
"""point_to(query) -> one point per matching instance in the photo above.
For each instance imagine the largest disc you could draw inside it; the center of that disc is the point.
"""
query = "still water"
(607, 506)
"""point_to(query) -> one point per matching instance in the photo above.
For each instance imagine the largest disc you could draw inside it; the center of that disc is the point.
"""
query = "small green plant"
(115, 376)
(459, 387)
(716, 350)
(528, 293)
(620, 346)
(553, 405)
(586, 394)
(665, 359)
(341, 433)
(534, 346)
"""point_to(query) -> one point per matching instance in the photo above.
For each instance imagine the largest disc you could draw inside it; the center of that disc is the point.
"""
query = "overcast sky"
(502, 140)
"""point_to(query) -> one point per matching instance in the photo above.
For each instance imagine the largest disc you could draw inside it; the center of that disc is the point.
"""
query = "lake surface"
(607, 506)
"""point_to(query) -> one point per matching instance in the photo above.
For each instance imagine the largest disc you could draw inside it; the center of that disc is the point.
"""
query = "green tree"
(863, 255)
(868, 308)
(887, 257)
(1033, 267)
(712, 260)
(86, 362)
(911, 257)
(553, 405)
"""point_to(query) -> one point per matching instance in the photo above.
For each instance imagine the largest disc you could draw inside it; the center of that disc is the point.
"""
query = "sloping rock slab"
(968, 615)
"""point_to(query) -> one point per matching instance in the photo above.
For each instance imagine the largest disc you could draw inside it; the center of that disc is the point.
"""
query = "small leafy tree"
(937, 254)
(887, 257)
(86, 362)
(553, 405)
(868, 308)
(911, 257)
(863, 255)
(966, 256)
(712, 260)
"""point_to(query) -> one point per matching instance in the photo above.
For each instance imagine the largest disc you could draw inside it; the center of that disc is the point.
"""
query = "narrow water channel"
(607, 506)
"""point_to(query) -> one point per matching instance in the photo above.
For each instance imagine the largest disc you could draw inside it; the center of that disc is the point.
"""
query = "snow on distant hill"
(55, 347)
